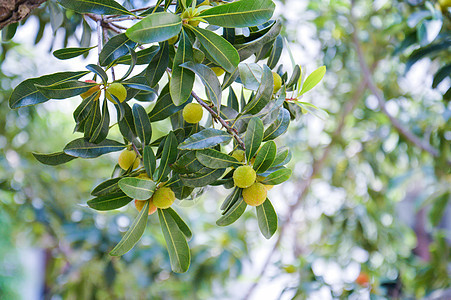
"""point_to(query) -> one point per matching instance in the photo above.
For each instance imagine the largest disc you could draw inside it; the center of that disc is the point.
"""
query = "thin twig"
(99, 39)
(123, 19)
(221, 120)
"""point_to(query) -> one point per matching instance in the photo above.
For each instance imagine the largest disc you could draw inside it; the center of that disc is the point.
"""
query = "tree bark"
(12, 11)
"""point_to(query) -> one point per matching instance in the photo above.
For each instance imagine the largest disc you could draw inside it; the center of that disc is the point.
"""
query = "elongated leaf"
(202, 178)
(179, 253)
(232, 100)
(164, 108)
(218, 50)
(216, 160)
(142, 124)
(182, 79)
(98, 7)
(267, 219)
(65, 89)
(206, 138)
(277, 177)
(157, 27)
(137, 188)
(253, 137)
(229, 79)
(263, 95)
(115, 48)
(233, 214)
(180, 223)
(168, 156)
(92, 121)
(107, 187)
(441, 74)
(231, 199)
(99, 71)
(158, 65)
(150, 162)
(84, 149)
(313, 79)
(243, 13)
(67, 53)
(101, 131)
(250, 75)
(143, 57)
(133, 234)
(209, 79)
(279, 127)
(133, 59)
(26, 93)
(282, 158)
(265, 157)
(187, 163)
(276, 52)
(53, 159)
(127, 123)
(109, 202)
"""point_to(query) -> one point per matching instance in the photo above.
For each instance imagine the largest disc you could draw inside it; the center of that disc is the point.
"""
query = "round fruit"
(173, 40)
(363, 279)
(277, 81)
(91, 91)
(218, 71)
(244, 176)
(268, 186)
(255, 194)
(163, 197)
(140, 204)
(128, 158)
(192, 113)
(117, 90)
(238, 154)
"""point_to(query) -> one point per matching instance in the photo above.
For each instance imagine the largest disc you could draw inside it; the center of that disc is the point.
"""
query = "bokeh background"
(365, 215)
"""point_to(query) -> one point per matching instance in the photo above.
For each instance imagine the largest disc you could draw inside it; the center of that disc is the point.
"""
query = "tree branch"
(12, 11)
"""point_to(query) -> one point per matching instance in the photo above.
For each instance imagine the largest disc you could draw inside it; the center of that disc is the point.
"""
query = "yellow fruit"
(239, 155)
(268, 186)
(117, 90)
(194, 23)
(128, 158)
(173, 40)
(192, 113)
(277, 81)
(163, 197)
(140, 204)
(255, 194)
(444, 4)
(143, 176)
(218, 71)
(244, 176)
(91, 91)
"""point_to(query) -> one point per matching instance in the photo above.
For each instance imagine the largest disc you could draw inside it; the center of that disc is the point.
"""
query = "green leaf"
(67, 53)
(157, 27)
(233, 214)
(127, 123)
(209, 79)
(133, 234)
(179, 253)
(277, 177)
(180, 223)
(53, 159)
(438, 208)
(99, 71)
(107, 187)
(93, 121)
(263, 95)
(109, 202)
(232, 100)
(265, 157)
(84, 149)
(26, 93)
(158, 65)
(168, 157)
(278, 127)
(98, 7)
(250, 75)
(276, 52)
(182, 80)
(216, 160)
(313, 79)
(317, 112)
(65, 89)
(217, 49)
(267, 219)
(142, 124)
(101, 131)
(115, 48)
(137, 188)
(133, 60)
(150, 162)
(143, 57)
(282, 158)
(231, 199)
(187, 163)
(206, 138)
(138, 83)
(202, 178)
(253, 137)
(164, 107)
(243, 13)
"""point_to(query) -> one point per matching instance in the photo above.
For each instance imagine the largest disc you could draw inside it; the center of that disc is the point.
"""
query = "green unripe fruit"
(128, 158)
(173, 40)
(117, 90)
(277, 81)
(139, 204)
(91, 91)
(218, 71)
(194, 23)
(255, 195)
(239, 155)
(163, 197)
(244, 176)
(192, 113)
